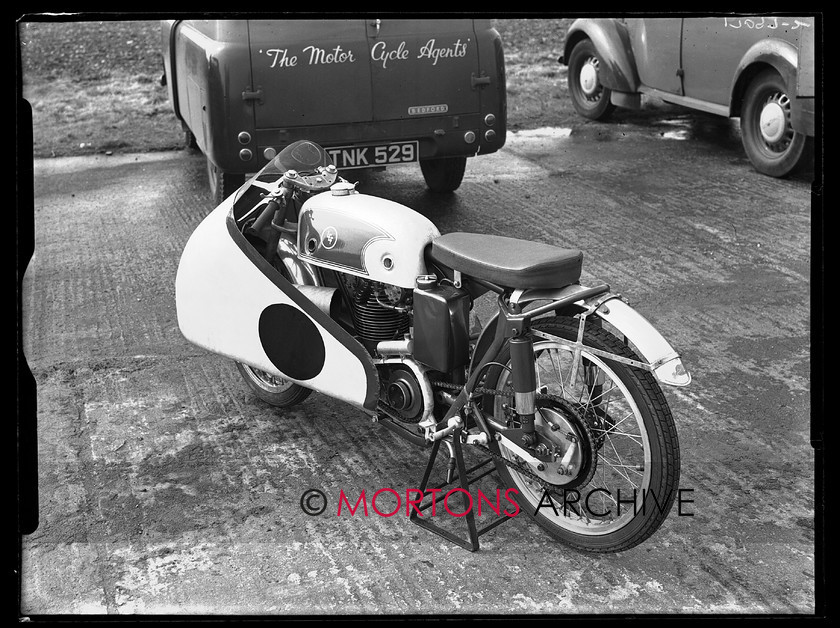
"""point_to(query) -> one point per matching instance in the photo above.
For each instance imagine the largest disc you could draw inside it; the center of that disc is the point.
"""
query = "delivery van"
(375, 93)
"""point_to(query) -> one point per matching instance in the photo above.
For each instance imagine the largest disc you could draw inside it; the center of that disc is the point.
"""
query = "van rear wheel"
(189, 141)
(222, 184)
(444, 174)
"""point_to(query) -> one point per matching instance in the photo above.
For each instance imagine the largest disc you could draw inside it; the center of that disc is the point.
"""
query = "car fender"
(796, 72)
(776, 53)
(612, 42)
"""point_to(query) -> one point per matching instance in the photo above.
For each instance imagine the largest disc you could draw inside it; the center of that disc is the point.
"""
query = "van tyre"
(189, 141)
(589, 96)
(769, 140)
(222, 184)
(445, 174)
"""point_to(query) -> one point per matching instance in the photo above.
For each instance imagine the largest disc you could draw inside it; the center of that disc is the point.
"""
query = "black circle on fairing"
(291, 341)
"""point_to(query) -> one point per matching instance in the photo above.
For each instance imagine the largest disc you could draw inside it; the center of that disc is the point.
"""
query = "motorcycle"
(310, 285)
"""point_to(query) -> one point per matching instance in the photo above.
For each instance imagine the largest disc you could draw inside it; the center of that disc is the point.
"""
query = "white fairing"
(366, 236)
(222, 297)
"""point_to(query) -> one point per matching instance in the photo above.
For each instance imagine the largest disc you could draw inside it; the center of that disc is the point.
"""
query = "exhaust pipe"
(325, 299)
(395, 347)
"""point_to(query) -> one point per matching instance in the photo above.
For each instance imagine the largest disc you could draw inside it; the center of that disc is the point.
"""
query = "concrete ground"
(166, 487)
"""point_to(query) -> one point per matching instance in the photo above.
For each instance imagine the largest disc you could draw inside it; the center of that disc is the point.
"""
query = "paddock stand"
(464, 480)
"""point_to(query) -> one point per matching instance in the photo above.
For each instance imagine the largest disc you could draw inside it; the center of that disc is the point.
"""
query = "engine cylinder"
(374, 317)
(375, 322)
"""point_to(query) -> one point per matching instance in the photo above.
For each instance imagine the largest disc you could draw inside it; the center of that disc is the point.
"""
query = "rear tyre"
(444, 174)
(589, 96)
(769, 140)
(189, 140)
(631, 438)
(222, 184)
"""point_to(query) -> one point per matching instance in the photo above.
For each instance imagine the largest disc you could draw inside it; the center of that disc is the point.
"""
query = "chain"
(502, 393)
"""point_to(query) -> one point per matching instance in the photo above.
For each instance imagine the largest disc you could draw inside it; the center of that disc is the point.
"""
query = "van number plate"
(347, 157)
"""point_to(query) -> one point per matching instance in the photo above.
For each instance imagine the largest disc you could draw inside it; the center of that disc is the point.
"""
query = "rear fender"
(656, 353)
(231, 301)
(664, 361)
(618, 67)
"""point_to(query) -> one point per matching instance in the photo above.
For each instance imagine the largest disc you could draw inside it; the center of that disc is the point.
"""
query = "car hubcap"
(774, 122)
(589, 78)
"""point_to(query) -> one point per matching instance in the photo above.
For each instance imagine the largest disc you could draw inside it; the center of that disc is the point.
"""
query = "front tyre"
(273, 390)
(627, 487)
(589, 96)
(769, 140)
(444, 174)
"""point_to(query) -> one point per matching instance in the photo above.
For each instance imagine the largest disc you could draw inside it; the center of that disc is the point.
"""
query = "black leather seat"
(508, 262)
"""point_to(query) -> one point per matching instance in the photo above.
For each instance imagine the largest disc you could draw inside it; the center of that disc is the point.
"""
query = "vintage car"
(760, 69)
(373, 92)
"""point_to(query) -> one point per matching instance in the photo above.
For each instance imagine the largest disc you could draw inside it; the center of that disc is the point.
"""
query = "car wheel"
(222, 184)
(444, 175)
(589, 96)
(769, 140)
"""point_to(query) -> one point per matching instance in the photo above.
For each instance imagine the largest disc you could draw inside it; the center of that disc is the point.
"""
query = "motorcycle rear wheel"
(633, 437)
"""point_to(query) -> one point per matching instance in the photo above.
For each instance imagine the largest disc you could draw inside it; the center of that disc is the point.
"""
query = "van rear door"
(309, 72)
(423, 67)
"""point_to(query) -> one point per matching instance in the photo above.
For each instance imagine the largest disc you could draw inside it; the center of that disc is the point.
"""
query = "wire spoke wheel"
(272, 389)
(267, 381)
(633, 444)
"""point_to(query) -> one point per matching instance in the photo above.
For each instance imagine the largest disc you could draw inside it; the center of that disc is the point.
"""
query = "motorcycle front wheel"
(275, 391)
(628, 478)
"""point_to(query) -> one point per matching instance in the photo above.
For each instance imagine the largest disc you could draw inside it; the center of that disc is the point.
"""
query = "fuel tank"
(365, 236)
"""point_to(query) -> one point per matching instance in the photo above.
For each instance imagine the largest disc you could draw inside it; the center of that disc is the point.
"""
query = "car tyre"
(767, 135)
(445, 174)
(590, 97)
(222, 184)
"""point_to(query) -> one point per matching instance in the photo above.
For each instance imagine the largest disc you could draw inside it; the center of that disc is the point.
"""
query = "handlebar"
(266, 215)
(317, 181)
(291, 181)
